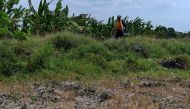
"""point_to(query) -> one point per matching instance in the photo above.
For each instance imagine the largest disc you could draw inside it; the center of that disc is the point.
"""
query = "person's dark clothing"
(119, 34)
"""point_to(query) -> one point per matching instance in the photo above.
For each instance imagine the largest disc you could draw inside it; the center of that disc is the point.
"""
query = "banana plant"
(14, 14)
(11, 18)
(60, 17)
(44, 20)
(40, 19)
(148, 30)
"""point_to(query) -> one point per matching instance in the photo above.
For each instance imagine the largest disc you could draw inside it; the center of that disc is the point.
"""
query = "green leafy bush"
(8, 64)
(5, 33)
(63, 42)
(20, 36)
(133, 65)
(184, 61)
(97, 60)
(113, 44)
(176, 48)
(22, 50)
(38, 59)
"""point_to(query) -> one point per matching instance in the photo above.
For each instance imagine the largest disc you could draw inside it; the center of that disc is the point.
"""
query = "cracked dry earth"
(138, 93)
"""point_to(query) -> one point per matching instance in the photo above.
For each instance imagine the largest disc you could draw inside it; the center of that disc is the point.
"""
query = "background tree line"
(19, 22)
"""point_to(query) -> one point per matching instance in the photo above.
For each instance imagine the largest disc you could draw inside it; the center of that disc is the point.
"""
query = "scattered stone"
(1, 101)
(24, 106)
(40, 90)
(175, 80)
(140, 49)
(88, 98)
(170, 102)
(52, 94)
(86, 92)
(86, 103)
(188, 83)
(149, 84)
(55, 98)
(144, 78)
(106, 95)
(71, 86)
(54, 85)
(130, 95)
(2, 97)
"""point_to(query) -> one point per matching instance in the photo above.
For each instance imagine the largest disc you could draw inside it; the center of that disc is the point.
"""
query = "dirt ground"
(136, 93)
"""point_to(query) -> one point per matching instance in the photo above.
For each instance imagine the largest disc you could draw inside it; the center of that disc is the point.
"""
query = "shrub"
(20, 36)
(21, 50)
(97, 60)
(63, 42)
(83, 50)
(36, 62)
(38, 59)
(8, 65)
(132, 65)
(113, 44)
(5, 33)
(176, 48)
(116, 66)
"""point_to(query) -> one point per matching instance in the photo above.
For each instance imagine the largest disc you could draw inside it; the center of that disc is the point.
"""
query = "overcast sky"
(170, 13)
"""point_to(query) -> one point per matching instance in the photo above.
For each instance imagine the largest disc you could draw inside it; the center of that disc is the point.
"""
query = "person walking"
(119, 27)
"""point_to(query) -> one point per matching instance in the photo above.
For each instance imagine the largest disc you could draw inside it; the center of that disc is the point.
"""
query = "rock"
(88, 98)
(86, 103)
(140, 49)
(86, 92)
(71, 86)
(170, 102)
(24, 106)
(130, 95)
(106, 95)
(1, 101)
(12, 105)
(174, 80)
(1, 98)
(55, 98)
(175, 63)
(40, 90)
(145, 83)
(54, 85)
(188, 83)
(48, 93)
(57, 92)
(144, 78)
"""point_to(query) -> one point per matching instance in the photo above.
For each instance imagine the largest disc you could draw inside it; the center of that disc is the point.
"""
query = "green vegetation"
(20, 23)
(82, 46)
(68, 54)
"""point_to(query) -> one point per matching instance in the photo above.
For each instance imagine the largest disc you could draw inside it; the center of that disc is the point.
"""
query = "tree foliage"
(43, 20)
(10, 17)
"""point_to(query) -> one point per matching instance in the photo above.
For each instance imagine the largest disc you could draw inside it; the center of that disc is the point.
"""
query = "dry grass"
(123, 98)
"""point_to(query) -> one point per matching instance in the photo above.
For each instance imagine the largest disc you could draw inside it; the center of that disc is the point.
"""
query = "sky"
(170, 13)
